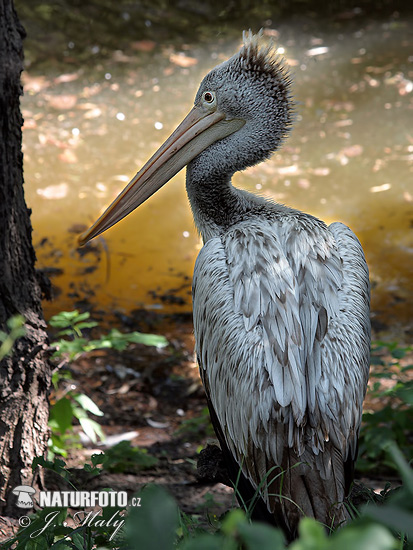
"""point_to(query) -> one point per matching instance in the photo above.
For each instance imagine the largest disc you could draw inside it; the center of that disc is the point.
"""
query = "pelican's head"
(242, 111)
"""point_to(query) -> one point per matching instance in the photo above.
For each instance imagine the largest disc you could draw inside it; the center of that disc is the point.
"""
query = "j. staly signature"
(82, 518)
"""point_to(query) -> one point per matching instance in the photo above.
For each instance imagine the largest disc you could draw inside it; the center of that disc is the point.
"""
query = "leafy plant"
(158, 523)
(393, 421)
(197, 426)
(57, 528)
(122, 458)
(144, 530)
(72, 343)
(62, 414)
(397, 513)
(58, 466)
(153, 525)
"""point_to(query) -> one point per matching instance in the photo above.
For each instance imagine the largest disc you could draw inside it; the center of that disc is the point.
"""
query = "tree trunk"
(25, 374)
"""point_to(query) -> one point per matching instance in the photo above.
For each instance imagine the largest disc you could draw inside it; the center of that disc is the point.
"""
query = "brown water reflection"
(349, 158)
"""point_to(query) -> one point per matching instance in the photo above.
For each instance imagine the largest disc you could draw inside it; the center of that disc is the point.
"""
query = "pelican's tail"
(310, 485)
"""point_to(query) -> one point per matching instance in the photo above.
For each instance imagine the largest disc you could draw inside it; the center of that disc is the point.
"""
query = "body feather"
(281, 316)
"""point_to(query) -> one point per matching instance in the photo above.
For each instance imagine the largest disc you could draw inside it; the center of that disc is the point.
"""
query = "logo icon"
(24, 499)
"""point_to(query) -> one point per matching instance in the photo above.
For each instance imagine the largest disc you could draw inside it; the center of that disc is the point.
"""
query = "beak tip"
(82, 239)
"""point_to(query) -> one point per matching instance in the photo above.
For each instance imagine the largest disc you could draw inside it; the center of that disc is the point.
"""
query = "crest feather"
(260, 55)
(259, 58)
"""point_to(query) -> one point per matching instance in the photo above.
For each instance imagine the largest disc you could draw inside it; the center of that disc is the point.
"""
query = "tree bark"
(25, 375)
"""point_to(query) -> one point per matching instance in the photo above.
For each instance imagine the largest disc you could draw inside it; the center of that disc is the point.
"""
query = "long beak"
(199, 129)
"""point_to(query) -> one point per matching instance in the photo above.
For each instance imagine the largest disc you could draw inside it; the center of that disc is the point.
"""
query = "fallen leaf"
(352, 151)
(68, 156)
(93, 113)
(29, 124)
(90, 91)
(288, 170)
(343, 123)
(304, 183)
(143, 45)
(34, 83)
(373, 82)
(61, 102)
(120, 57)
(182, 60)
(158, 425)
(317, 51)
(54, 191)
(321, 171)
(380, 188)
(68, 77)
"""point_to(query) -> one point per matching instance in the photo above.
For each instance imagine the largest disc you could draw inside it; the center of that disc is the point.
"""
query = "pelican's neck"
(215, 203)
(210, 201)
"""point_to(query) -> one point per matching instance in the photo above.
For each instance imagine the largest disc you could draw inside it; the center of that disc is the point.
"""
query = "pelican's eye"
(209, 97)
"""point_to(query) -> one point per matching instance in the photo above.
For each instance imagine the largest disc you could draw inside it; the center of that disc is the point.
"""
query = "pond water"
(91, 123)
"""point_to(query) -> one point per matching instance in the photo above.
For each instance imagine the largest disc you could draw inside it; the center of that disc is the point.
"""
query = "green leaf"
(65, 319)
(87, 404)
(233, 520)
(65, 544)
(362, 537)
(35, 536)
(407, 368)
(57, 465)
(97, 459)
(72, 323)
(209, 542)
(374, 360)
(56, 445)
(153, 525)
(71, 347)
(67, 332)
(403, 467)
(148, 339)
(86, 324)
(312, 536)
(398, 353)
(38, 543)
(61, 415)
(124, 458)
(257, 536)
(78, 539)
(393, 517)
(405, 392)
(118, 340)
(92, 429)
(16, 330)
(16, 322)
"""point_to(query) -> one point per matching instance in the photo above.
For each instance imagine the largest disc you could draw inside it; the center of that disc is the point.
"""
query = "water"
(90, 126)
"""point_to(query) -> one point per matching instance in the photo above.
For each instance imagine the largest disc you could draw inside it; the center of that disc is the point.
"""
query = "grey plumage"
(283, 345)
(281, 314)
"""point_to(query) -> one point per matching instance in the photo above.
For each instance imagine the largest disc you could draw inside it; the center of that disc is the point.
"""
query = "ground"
(148, 395)
(153, 398)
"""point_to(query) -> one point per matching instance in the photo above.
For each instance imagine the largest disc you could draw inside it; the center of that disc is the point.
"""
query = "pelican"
(280, 300)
